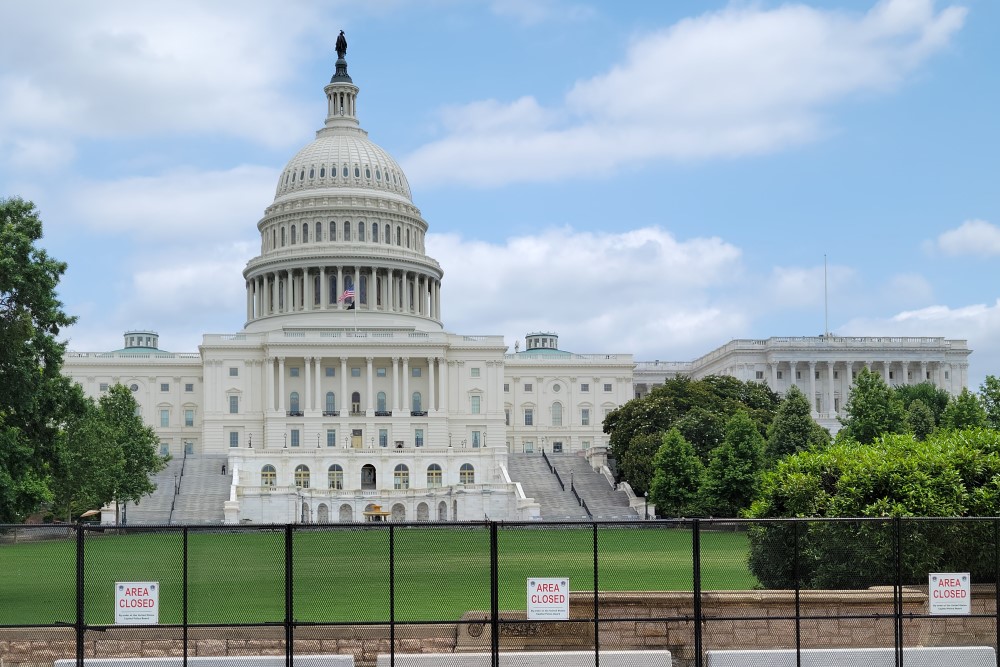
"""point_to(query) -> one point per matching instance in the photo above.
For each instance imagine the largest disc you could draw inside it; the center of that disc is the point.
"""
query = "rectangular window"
(506, 387)
(798, 375)
(234, 372)
(234, 439)
(475, 405)
(415, 372)
(527, 386)
(164, 386)
(355, 372)
(759, 375)
(817, 375)
(295, 437)
(476, 439)
(928, 375)
(529, 446)
(836, 375)
(557, 448)
(475, 372)
(331, 437)
(585, 417)
(189, 417)
(234, 404)
(506, 417)
(585, 444)
(607, 387)
(947, 375)
(164, 418)
(380, 372)
(330, 371)
(104, 386)
(529, 417)
(418, 437)
(854, 375)
(892, 375)
(584, 386)
(189, 388)
(383, 437)
(293, 371)
(780, 374)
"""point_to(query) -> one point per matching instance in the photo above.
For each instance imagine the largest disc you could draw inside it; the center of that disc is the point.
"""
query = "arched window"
(268, 476)
(319, 231)
(401, 477)
(557, 414)
(399, 235)
(467, 474)
(347, 231)
(331, 403)
(388, 233)
(333, 231)
(344, 172)
(356, 402)
(335, 475)
(433, 476)
(282, 236)
(417, 402)
(361, 231)
(293, 235)
(380, 401)
(374, 232)
(302, 476)
(407, 237)
(305, 232)
(293, 402)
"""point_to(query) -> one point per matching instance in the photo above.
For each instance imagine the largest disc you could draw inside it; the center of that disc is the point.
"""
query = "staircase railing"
(579, 499)
(552, 469)
(177, 488)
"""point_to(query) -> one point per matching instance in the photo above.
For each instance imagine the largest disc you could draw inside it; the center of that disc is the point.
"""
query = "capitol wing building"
(343, 399)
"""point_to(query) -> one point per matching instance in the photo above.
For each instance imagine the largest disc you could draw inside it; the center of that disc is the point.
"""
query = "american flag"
(348, 294)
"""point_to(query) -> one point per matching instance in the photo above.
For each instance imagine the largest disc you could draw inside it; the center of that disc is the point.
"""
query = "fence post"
(289, 659)
(798, 596)
(184, 593)
(494, 597)
(79, 595)
(996, 578)
(392, 595)
(597, 606)
(897, 588)
(696, 561)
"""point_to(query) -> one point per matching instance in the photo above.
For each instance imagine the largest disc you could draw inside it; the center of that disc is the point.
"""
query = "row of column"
(303, 290)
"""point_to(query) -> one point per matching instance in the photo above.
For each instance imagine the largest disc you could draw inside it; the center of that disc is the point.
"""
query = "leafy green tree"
(793, 429)
(677, 480)
(919, 420)
(702, 428)
(135, 441)
(872, 410)
(636, 462)
(734, 470)
(33, 393)
(989, 396)
(965, 411)
(933, 397)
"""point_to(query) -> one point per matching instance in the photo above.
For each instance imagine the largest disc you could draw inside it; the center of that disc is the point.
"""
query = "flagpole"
(826, 303)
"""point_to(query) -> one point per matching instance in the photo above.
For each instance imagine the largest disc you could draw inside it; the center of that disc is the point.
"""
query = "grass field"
(343, 574)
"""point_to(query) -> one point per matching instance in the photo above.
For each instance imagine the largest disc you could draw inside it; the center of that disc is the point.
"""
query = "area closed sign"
(548, 599)
(949, 593)
(137, 603)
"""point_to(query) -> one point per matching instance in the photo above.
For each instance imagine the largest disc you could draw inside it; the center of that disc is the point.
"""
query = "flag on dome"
(348, 294)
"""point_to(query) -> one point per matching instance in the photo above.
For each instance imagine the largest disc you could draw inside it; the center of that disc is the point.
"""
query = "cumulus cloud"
(734, 82)
(793, 286)
(977, 238)
(180, 205)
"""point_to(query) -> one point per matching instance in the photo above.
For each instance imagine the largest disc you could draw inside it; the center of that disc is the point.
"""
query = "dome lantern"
(341, 93)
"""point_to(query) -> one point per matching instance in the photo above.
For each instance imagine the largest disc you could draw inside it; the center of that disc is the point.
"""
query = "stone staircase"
(538, 483)
(154, 509)
(603, 500)
(203, 490)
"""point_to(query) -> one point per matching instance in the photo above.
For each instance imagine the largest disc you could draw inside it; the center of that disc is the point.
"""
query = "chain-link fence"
(709, 592)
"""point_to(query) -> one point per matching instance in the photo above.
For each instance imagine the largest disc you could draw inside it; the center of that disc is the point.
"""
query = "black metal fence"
(687, 586)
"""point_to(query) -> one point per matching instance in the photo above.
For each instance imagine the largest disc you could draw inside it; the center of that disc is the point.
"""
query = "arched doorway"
(398, 512)
(346, 513)
(442, 511)
(322, 513)
(304, 514)
(423, 512)
(368, 476)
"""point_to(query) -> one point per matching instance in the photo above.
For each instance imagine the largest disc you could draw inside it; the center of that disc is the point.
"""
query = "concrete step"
(603, 500)
(555, 504)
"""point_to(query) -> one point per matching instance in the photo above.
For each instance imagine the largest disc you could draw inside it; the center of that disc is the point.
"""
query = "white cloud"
(908, 289)
(973, 237)
(181, 206)
(37, 154)
(792, 286)
(738, 81)
(535, 12)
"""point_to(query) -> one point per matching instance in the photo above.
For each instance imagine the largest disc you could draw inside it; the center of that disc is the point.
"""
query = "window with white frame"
(584, 386)
(164, 418)
(302, 476)
(557, 414)
(234, 371)
(527, 386)
(607, 387)
(418, 437)
(401, 477)
(295, 437)
(529, 417)
(234, 439)
(335, 476)
(189, 388)
(467, 474)
(383, 437)
(433, 476)
(268, 476)
(331, 437)
(475, 404)
(585, 416)
(189, 417)
(475, 371)
(164, 386)
(234, 405)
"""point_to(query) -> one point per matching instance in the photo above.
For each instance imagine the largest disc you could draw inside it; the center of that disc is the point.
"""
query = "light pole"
(317, 439)
(645, 506)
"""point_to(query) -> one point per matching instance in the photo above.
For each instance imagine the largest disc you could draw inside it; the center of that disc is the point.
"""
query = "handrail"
(552, 469)
(579, 499)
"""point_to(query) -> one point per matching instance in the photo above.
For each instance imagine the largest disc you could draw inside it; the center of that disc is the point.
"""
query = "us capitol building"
(343, 391)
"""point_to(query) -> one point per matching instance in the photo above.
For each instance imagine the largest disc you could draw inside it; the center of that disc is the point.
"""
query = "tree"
(964, 412)
(989, 396)
(793, 429)
(136, 443)
(872, 410)
(919, 420)
(33, 395)
(734, 470)
(677, 477)
(935, 398)
(636, 462)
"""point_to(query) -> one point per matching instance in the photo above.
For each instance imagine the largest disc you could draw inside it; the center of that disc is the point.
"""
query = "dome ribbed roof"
(323, 163)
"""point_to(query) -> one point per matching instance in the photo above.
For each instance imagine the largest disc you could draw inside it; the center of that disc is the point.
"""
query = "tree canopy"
(873, 409)
(793, 429)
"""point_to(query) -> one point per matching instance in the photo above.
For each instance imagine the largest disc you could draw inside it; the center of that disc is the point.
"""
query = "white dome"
(342, 157)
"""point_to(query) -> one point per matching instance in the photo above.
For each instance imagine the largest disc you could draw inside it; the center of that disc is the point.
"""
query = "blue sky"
(653, 178)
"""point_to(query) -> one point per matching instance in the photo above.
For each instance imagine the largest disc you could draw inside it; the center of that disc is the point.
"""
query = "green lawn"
(343, 574)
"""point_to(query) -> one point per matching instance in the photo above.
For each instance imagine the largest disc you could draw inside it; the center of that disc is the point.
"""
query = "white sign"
(548, 599)
(949, 593)
(137, 603)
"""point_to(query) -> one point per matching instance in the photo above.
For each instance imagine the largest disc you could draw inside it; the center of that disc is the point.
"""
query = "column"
(395, 385)
(390, 275)
(307, 362)
(308, 289)
(273, 294)
(345, 400)
(923, 372)
(340, 287)
(791, 374)
(324, 289)
(904, 373)
(406, 385)
(445, 404)
(831, 408)
(431, 403)
(288, 291)
(773, 367)
(249, 300)
(281, 382)
(268, 385)
(357, 288)
(370, 400)
(406, 292)
(885, 371)
(812, 388)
